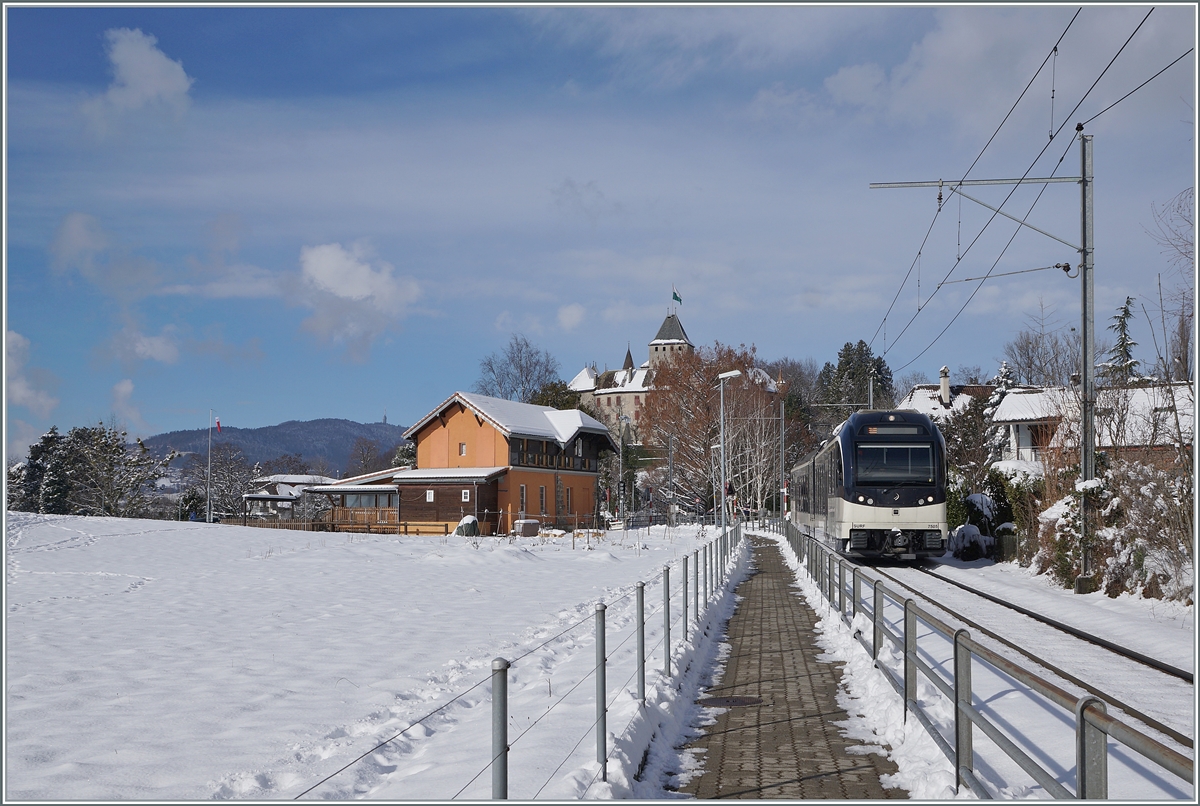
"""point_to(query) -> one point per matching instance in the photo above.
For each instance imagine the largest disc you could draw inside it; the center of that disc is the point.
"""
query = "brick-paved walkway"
(787, 746)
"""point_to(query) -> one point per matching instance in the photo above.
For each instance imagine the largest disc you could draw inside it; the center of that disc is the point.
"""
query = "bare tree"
(517, 372)
(364, 457)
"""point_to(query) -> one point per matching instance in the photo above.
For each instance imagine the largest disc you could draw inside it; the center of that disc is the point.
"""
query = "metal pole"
(1087, 374)
(782, 461)
(641, 642)
(696, 582)
(667, 621)
(601, 696)
(684, 579)
(722, 385)
(208, 477)
(499, 729)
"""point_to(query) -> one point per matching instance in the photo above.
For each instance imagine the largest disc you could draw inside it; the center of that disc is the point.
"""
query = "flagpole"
(208, 476)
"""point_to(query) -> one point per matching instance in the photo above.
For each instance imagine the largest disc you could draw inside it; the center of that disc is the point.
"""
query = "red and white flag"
(218, 425)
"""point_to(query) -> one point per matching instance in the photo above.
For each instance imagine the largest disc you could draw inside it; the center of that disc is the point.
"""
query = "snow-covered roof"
(1034, 405)
(627, 381)
(285, 478)
(585, 381)
(510, 417)
(448, 474)
(353, 488)
(926, 398)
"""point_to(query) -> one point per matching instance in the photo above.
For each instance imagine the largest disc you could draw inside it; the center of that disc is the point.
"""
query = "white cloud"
(354, 296)
(19, 389)
(123, 407)
(77, 243)
(130, 344)
(81, 244)
(142, 76)
(571, 316)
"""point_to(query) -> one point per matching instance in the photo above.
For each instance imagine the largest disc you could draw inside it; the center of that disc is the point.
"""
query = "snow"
(162, 661)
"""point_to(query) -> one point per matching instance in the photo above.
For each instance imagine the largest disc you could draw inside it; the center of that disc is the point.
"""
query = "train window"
(881, 465)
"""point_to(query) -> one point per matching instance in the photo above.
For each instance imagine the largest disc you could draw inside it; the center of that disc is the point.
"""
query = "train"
(876, 489)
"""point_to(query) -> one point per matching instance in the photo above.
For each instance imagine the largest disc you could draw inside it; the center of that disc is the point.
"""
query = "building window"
(522, 507)
(542, 499)
(569, 510)
(429, 496)
(466, 496)
(637, 400)
(579, 447)
(462, 449)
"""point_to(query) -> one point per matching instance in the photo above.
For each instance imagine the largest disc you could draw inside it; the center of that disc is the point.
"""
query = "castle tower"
(670, 342)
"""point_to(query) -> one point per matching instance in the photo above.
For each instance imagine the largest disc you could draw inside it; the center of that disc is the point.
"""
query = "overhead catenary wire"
(1009, 196)
(971, 167)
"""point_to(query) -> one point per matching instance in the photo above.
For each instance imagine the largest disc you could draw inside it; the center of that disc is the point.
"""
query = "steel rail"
(1133, 655)
(1108, 698)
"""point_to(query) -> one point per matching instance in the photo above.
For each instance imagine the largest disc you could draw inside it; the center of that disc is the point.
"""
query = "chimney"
(945, 392)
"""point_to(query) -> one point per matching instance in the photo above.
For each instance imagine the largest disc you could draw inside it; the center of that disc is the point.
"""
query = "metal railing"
(1093, 726)
(712, 564)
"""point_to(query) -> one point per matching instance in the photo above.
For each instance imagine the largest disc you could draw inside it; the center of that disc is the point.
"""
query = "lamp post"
(724, 376)
(623, 420)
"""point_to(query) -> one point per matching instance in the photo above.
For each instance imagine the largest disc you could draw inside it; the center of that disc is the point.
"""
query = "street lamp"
(724, 376)
(623, 419)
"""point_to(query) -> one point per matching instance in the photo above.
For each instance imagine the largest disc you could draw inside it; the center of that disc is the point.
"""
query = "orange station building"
(503, 461)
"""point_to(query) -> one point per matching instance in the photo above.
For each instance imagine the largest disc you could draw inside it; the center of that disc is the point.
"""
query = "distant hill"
(312, 439)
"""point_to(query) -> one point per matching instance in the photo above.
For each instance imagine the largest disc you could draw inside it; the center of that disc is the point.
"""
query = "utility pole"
(1085, 583)
(1087, 372)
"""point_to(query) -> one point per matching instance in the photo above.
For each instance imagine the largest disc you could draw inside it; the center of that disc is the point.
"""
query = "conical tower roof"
(628, 359)
(671, 332)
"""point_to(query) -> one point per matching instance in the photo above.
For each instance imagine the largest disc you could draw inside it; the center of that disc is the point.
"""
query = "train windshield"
(878, 465)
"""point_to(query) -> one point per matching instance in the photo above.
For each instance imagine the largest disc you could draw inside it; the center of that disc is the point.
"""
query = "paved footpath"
(777, 738)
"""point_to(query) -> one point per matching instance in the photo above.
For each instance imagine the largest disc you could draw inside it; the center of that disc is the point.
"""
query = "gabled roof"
(525, 419)
(1034, 405)
(585, 381)
(671, 332)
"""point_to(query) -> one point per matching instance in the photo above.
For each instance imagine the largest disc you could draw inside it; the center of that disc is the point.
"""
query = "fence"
(1092, 725)
(686, 598)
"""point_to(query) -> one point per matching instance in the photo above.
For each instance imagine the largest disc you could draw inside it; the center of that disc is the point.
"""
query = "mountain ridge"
(327, 438)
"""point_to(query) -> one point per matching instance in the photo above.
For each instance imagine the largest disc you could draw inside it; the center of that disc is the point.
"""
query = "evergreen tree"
(1121, 368)
(850, 381)
(106, 476)
(997, 438)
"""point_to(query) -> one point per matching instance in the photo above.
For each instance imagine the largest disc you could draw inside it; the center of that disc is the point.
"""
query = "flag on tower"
(218, 425)
(675, 295)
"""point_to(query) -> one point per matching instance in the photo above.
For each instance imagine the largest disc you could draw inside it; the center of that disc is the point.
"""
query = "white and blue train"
(877, 489)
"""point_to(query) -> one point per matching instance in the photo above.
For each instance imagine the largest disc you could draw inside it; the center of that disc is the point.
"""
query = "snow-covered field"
(176, 661)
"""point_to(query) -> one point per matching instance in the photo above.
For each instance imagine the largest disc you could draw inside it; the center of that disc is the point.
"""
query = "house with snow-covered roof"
(941, 400)
(521, 460)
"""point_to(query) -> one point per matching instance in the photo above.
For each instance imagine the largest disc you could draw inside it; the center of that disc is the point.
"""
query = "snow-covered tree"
(1121, 368)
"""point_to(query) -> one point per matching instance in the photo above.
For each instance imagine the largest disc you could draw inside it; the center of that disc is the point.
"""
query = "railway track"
(1066, 651)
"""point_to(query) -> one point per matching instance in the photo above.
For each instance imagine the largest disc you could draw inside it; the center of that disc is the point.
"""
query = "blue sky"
(322, 212)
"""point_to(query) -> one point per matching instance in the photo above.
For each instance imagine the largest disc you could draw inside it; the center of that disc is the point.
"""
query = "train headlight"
(870, 500)
(861, 499)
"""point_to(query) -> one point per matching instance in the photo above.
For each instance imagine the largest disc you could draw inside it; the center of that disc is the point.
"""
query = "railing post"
(856, 594)
(684, 580)
(499, 729)
(667, 621)
(1091, 751)
(601, 696)
(696, 583)
(641, 642)
(841, 578)
(877, 619)
(964, 755)
(910, 655)
(704, 548)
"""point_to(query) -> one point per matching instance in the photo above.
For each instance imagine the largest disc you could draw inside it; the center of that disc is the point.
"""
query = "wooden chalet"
(498, 460)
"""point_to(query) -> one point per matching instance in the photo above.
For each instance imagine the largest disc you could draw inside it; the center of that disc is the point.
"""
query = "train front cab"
(877, 489)
(895, 492)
